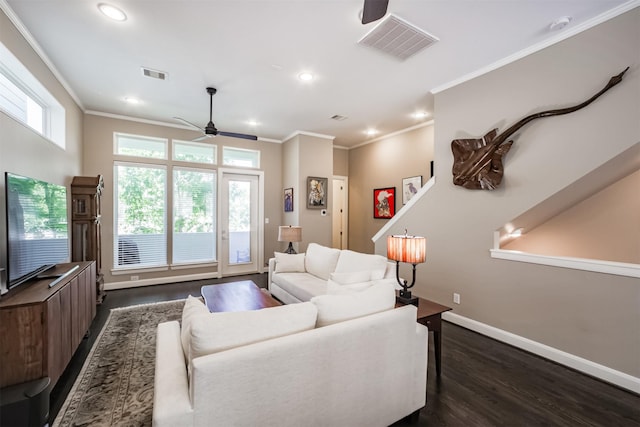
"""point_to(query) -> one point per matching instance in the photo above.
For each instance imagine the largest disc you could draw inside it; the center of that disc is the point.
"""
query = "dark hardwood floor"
(483, 383)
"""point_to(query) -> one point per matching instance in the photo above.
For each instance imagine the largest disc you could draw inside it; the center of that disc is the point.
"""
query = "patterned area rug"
(115, 386)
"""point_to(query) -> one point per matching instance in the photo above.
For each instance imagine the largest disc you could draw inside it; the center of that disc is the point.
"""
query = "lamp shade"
(411, 249)
(289, 233)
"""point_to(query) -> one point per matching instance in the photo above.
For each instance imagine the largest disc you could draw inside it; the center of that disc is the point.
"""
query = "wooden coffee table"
(236, 296)
(430, 315)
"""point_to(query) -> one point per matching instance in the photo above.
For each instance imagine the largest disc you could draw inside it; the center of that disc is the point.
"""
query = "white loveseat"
(339, 360)
(322, 270)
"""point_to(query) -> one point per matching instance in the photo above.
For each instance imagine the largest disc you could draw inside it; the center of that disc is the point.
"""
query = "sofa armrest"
(272, 269)
(171, 402)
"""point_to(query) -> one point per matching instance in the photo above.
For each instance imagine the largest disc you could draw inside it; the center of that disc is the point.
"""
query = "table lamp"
(410, 249)
(290, 233)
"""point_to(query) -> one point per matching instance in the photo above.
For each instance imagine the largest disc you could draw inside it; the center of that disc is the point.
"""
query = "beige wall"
(340, 162)
(312, 156)
(590, 315)
(383, 163)
(24, 151)
(99, 159)
(606, 226)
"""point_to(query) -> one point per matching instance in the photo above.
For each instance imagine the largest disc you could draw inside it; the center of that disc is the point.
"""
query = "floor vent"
(160, 75)
(398, 38)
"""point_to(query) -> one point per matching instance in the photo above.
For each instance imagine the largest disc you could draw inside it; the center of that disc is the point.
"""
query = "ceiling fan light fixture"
(112, 12)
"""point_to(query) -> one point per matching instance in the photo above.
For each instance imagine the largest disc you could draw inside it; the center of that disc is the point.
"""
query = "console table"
(41, 327)
(430, 315)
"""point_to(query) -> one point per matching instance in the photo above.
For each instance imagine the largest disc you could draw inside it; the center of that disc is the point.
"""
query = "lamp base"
(406, 299)
(290, 249)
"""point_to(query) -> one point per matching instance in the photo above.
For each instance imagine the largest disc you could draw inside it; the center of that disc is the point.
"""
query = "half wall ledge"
(606, 267)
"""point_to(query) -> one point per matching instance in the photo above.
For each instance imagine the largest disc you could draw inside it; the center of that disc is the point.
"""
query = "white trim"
(38, 50)
(385, 229)
(392, 134)
(598, 266)
(603, 17)
(302, 132)
(585, 366)
(158, 281)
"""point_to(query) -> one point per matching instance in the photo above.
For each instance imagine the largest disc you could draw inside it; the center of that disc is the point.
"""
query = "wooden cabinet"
(86, 227)
(41, 327)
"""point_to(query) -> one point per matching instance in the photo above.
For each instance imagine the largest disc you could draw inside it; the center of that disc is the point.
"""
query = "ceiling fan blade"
(238, 135)
(200, 138)
(189, 123)
(374, 10)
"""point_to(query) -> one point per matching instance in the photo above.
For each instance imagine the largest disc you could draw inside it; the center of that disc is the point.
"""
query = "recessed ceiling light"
(305, 77)
(371, 132)
(112, 12)
(560, 23)
(420, 115)
(252, 123)
(131, 100)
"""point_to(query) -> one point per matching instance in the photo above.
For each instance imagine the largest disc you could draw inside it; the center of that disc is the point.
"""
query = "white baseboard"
(158, 281)
(588, 367)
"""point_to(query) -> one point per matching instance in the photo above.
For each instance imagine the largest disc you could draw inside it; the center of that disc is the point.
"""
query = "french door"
(241, 241)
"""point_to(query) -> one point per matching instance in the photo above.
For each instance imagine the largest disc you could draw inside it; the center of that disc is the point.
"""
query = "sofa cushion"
(223, 331)
(289, 263)
(350, 261)
(334, 308)
(321, 260)
(192, 307)
(303, 286)
(349, 278)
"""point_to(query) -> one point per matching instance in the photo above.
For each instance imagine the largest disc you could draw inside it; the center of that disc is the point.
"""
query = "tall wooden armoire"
(86, 233)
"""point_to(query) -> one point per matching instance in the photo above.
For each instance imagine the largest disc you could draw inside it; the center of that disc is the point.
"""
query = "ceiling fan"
(374, 10)
(210, 130)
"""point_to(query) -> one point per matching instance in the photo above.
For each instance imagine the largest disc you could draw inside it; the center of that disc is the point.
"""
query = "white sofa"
(322, 270)
(354, 361)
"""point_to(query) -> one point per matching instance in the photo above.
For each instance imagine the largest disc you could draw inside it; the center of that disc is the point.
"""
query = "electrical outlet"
(456, 298)
(135, 277)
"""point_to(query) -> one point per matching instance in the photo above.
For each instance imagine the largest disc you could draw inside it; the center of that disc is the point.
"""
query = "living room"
(581, 318)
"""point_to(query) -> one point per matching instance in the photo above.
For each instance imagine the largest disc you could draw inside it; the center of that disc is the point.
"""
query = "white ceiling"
(252, 52)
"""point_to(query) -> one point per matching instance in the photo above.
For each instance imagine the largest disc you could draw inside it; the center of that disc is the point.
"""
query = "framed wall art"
(288, 199)
(317, 192)
(410, 187)
(384, 202)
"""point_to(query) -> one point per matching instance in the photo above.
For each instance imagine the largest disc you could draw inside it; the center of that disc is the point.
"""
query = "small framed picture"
(288, 199)
(384, 202)
(410, 187)
(317, 192)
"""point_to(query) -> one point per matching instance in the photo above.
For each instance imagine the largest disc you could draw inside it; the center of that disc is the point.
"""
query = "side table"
(430, 315)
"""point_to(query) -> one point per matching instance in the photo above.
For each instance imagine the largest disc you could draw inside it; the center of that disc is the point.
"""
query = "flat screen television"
(37, 227)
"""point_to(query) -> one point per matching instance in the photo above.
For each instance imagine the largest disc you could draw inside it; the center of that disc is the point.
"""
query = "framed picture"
(288, 199)
(384, 202)
(317, 192)
(410, 187)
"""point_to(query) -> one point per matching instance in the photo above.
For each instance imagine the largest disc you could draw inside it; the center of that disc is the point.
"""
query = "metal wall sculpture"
(477, 163)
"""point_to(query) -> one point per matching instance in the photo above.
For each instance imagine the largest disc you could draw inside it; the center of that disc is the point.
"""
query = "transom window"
(242, 157)
(25, 99)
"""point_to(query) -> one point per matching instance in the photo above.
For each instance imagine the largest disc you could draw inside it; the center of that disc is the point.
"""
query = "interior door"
(240, 248)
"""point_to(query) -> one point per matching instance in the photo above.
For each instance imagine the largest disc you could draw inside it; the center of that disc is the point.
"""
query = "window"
(196, 152)
(24, 98)
(140, 146)
(194, 215)
(140, 215)
(240, 157)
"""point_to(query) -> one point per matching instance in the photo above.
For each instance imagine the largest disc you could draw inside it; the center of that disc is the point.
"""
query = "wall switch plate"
(456, 298)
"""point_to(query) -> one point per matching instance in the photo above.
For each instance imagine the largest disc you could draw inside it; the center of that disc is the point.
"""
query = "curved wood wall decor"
(477, 163)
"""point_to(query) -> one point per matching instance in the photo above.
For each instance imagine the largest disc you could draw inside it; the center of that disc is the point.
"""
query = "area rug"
(115, 385)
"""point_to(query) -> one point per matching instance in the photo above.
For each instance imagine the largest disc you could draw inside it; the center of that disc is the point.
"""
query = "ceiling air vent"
(398, 38)
(338, 117)
(148, 72)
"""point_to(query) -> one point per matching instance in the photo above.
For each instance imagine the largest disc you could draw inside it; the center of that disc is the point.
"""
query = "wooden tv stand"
(41, 326)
